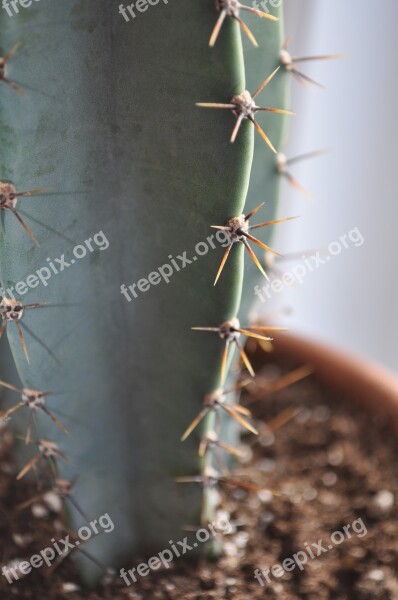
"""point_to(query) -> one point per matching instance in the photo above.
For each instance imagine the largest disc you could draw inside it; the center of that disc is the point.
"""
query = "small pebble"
(267, 517)
(53, 502)
(170, 587)
(357, 552)
(384, 500)
(329, 478)
(70, 588)
(310, 494)
(241, 539)
(321, 413)
(22, 540)
(266, 439)
(39, 511)
(265, 496)
(335, 456)
(303, 416)
(376, 575)
(230, 549)
(267, 465)
(247, 454)
(223, 519)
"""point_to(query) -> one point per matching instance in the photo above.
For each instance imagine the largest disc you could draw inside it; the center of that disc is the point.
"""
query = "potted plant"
(126, 213)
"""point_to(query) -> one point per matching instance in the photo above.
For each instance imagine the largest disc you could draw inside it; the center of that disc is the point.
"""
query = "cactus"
(109, 172)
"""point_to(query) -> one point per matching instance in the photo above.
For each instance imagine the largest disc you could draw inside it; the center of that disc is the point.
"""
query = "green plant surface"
(109, 126)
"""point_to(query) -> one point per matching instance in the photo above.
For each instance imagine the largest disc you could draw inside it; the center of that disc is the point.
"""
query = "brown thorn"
(247, 31)
(245, 359)
(254, 335)
(261, 244)
(231, 450)
(291, 378)
(265, 328)
(27, 229)
(22, 340)
(194, 424)
(274, 222)
(283, 418)
(11, 52)
(286, 42)
(278, 111)
(203, 447)
(318, 57)
(265, 83)
(33, 192)
(239, 419)
(215, 105)
(29, 502)
(255, 260)
(35, 305)
(235, 131)
(54, 419)
(308, 155)
(13, 86)
(217, 28)
(5, 415)
(224, 362)
(241, 409)
(224, 260)
(29, 466)
(298, 186)
(306, 79)
(29, 430)
(263, 135)
(259, 13)
(9, 386)
(254, 211)
(282, 382)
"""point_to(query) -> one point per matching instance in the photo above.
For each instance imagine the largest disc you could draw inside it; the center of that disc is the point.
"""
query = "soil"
(330, 466)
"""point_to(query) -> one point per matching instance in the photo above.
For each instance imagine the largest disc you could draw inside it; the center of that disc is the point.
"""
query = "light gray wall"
(352, 300)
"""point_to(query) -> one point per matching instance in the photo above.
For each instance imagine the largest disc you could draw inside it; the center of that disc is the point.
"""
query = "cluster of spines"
(244, 107)
(12, 311)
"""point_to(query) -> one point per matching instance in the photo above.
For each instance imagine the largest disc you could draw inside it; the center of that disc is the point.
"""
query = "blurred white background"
(352, 300)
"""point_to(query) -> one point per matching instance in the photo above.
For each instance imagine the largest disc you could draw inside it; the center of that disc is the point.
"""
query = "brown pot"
(363, 381)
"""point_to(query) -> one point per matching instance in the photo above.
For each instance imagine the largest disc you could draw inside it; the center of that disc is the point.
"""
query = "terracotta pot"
(360, 380)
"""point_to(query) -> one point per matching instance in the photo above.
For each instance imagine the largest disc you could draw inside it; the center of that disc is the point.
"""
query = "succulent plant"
(107, 163)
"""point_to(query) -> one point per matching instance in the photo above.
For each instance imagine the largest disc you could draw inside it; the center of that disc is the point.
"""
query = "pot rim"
(361, 379)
